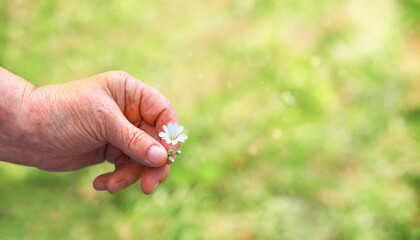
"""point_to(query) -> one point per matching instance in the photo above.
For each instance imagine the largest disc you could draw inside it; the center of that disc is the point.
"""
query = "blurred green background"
(303, 117)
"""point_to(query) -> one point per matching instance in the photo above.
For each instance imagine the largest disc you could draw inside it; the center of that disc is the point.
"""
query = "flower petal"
(168, 141)
(165, 128)
(170, 130)
(179, 130)
(163, 135)
(174, 142)
(182, 138)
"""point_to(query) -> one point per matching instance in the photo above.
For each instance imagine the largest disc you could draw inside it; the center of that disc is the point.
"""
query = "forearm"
(13, 129)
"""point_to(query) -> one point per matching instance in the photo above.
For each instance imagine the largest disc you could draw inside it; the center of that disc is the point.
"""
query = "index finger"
(156, 110)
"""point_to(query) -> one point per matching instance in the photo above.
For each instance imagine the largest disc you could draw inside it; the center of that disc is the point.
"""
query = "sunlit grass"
(302, 117)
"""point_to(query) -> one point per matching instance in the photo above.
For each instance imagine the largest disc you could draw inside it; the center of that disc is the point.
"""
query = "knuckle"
(118, 75)
(104, 118)
(102, 113)
(136, 138)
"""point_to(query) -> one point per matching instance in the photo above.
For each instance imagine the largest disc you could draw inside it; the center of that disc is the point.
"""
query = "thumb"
(135, 143)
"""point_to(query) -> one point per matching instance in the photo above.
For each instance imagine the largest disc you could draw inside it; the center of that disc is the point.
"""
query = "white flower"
(172, 134)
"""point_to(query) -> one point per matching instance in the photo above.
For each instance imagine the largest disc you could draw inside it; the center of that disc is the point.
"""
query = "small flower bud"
(177, 152)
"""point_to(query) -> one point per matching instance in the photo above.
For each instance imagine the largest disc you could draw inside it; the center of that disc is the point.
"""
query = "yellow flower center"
(173, 138)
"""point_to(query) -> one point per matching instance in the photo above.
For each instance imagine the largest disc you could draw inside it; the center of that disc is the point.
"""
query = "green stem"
(170, 152)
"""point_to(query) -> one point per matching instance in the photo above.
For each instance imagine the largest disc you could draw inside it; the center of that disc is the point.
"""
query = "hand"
(110, 116)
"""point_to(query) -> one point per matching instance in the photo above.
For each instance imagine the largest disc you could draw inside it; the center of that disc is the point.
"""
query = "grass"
(303, 117)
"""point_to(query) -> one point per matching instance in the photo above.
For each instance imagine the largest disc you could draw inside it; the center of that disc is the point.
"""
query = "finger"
(112, 153)
(149, 129)
(135, 143)
(126, 91)
(170, 146)
(153, 177)
(124, 175)
(155, 109)
(100, 182)
(137, 100)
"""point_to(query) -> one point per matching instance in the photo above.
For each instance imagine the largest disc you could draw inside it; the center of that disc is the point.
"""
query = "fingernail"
(154, 187)
(118, 186)
(157, 155)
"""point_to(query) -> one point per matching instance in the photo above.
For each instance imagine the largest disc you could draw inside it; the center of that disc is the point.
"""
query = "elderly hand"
(111, 116)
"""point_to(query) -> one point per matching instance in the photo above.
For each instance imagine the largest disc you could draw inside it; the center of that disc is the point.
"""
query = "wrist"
(14, 133)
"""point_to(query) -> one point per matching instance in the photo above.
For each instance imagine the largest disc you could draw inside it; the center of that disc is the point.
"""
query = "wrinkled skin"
(110, 116)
